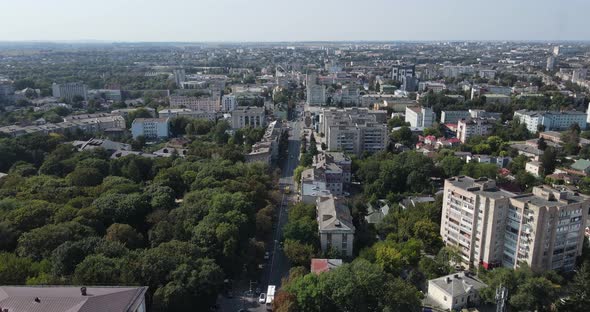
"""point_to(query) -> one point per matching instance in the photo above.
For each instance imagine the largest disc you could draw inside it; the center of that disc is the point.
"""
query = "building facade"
(245, 116)
(492, 227)
(206, 104)
(353, 130)
(150, 128)
(420, 117)
(336, 230)
(69, 90)
(550, 120)
(316, 95)
(228, 103)
(467, 128)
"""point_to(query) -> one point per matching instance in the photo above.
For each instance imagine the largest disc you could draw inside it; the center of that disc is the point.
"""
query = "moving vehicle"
(262, 298)
(287, 189)
(270, 297)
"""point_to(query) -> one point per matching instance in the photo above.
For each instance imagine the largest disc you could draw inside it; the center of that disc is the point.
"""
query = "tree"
(303, 230)
(40, 242)
(14, 270)
(541, 144)
(298, 253)
(403, 135)
(97, 270)
(388, 258)
(451, 165)
(125, 234)
(579, 291)
(549, 160)
(84, 177)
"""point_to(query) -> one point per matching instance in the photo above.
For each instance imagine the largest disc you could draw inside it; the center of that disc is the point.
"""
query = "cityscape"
(296, 174)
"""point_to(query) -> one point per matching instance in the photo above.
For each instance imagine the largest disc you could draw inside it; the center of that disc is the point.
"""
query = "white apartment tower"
(421, 117)
(493, 227)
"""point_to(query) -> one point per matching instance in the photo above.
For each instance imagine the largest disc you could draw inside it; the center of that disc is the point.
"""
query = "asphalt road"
(278, 266)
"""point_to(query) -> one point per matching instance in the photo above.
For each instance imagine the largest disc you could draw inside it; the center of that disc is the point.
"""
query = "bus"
(270, 296)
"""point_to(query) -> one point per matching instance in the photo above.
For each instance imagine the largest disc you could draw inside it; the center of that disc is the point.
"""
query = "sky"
(293, 20)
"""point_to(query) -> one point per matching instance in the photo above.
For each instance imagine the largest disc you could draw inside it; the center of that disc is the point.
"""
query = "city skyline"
(267, 21)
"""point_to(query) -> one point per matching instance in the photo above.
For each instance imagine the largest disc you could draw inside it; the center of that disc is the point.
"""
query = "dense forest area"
(178, 225)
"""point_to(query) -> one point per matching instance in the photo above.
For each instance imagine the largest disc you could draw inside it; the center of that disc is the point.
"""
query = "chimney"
(83, 291)
(448, 279)
(37, 299)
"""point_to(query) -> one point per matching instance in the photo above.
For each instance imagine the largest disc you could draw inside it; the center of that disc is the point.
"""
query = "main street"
(277, 266)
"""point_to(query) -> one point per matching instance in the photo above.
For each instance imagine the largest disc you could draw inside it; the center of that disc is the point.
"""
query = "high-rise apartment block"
(70, 90)
(470, 127)
(228, 103)
(353, 130)
(493, 227)
(421, 117)
(316, 95)
(399, 72)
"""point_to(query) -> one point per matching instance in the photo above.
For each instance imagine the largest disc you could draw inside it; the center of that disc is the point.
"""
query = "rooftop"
(323, 265)
(71, 298)
(458, 284)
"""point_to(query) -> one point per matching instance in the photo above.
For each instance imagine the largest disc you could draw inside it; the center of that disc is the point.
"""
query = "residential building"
(100, 143)
(582, 166)
(6, 90)
(455, 291)
(69, 90)
(228, 103)
(150, 128)
(376, 213)
(73, 298)
(545, 229)
(244, 116)
(179, 77)
(330, 174)
(107, 94)
(435, 87)
(550, 63)
(313, 184)
(209, 104)
(534, 167)
(316, 95)
(467, 128)
(324, 265)
(336, 230)
(125, 111)
(267, 149)
(579, 75)
(487, 74)
(473, 220)
(349, 96)
(500, 161)
(492, 227)
(453, 116)
(185, 112)
(456, 71)
(353, 130)
(495, 98)
(400, 72)
(550, 120)
(420, 117)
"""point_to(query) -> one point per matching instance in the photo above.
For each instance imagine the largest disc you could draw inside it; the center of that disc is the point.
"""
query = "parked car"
(262, 298)
(266, 255)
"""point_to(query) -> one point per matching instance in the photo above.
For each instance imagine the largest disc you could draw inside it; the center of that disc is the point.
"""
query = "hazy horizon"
(254, 21)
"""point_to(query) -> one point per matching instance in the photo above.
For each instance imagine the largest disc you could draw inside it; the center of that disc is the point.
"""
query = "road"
(278, 265)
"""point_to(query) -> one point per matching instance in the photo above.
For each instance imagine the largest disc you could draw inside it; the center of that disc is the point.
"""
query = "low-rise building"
(550, 120)
(72, 298)
(185, 112)
(267, 149)
(246, 116)
(455, 291)
(534, 167)
(210, 104)
(500, 161)
(324, 265)
(376, 213)
(336, 230)
(151, 128)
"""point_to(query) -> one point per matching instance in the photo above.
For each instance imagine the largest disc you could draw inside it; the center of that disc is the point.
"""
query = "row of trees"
(178, 225)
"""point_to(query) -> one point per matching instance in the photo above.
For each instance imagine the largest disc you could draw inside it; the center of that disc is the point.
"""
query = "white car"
(262, 298)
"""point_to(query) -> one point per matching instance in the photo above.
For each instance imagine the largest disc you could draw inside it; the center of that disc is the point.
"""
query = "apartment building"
(493, 227)
(69, 90)
(228, 103)
(453, 116)
(545, 229)
(399, 72)
(151, 128)
(330, 174)
(245, 116)
(420, 117)
(335, 225)
(550, 120)
(467, 128)
(185, 112)
(316, 95)
(353, 130)
(206, 104)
